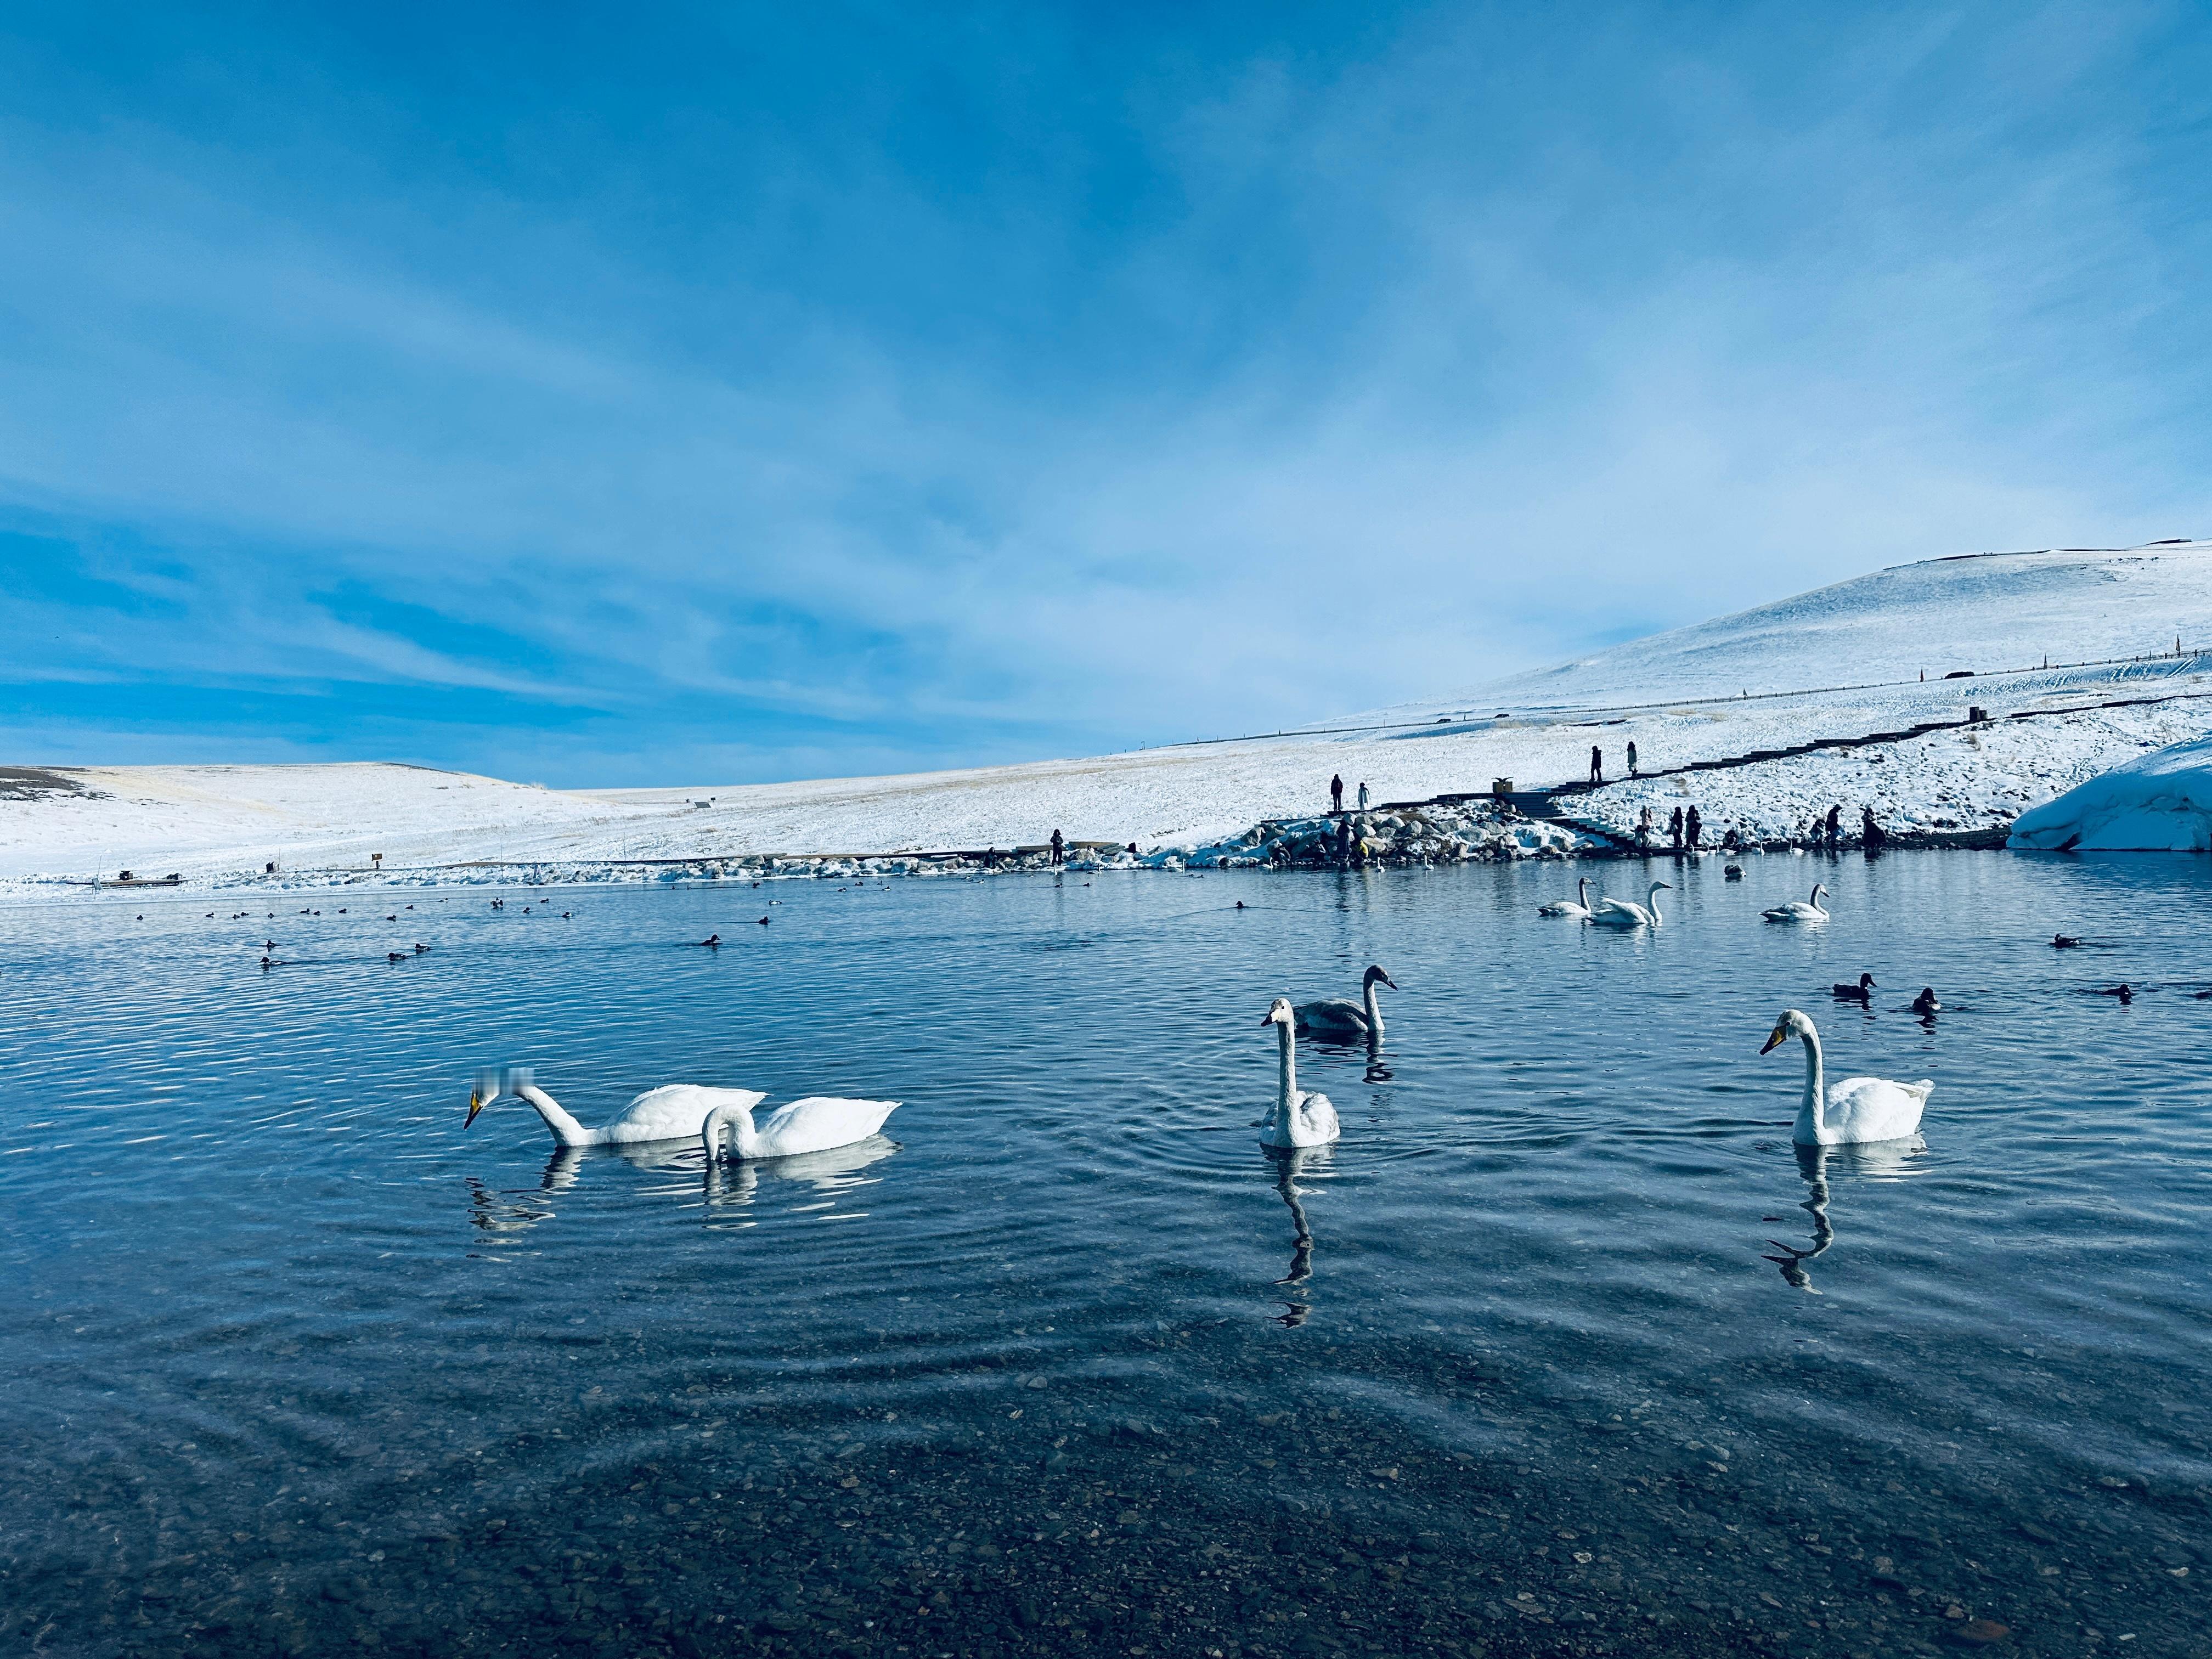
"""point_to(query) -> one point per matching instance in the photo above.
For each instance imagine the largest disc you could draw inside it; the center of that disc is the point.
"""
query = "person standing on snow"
(1336, 795)
(1597, 764)
(1362, 795)
(1835, 825)
(1057, 847)
(1674, 829)
(1693, 827)
(1632, 758)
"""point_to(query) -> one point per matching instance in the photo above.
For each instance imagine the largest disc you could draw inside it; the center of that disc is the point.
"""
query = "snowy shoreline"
(1950, 759)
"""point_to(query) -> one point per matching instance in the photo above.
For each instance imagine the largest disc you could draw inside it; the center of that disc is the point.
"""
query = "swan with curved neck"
(816, 1124)
(1854, 1110)
(1299, 1119)
(675, 1112)
(1800, 909)
(1625, 913)
(1577, 906)
(1341, 1016)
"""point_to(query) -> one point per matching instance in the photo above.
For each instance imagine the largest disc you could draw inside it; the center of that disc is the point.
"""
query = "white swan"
(1577, 906)
(1858, 1108)
(1800, 910)
(815, 1124)
(1623, 912)
(1341, 1016)
(674, 1112)
(1299, 1119)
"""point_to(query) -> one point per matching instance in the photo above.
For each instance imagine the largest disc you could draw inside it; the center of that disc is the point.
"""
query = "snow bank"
(2160, 804)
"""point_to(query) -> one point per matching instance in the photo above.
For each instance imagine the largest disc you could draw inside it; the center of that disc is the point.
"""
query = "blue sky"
(732, 394)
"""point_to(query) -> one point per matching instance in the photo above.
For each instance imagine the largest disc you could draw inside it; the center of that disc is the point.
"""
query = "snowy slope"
(1987, 612)
(1843, 662)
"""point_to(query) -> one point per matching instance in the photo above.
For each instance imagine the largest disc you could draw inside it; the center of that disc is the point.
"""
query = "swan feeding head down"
(1853, 1110)
(1299, 1119)
(816, 1124)
(1341, 1016)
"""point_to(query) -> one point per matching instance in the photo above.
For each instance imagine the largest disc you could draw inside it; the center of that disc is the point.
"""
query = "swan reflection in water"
(507, 1215)
(1290, 1164)
(1873, 1160)
(832, 1174)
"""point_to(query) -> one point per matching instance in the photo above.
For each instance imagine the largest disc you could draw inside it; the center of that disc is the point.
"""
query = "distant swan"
(1800, 909)
(1577, 906)
(1299, 1119)
(1341, 1016)
(1623, 913)
(675, 1112)
(816, 1124)
(1858, 1108)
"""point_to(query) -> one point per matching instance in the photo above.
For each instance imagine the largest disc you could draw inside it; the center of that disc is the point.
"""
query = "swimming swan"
(1858, 1108)
(1578, 907)
(1341, 1016)
(1622, 913)
(1799, 910)
(815, 1124)
(675, 1112)
(1299, 1119)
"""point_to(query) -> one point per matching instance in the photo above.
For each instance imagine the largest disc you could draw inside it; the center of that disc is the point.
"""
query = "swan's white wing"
(1875, 1109)
(819, 1123)
(1619, 913)
(1562, 908)
(1332, 1011)
(1321, 1122)
(677, 1111)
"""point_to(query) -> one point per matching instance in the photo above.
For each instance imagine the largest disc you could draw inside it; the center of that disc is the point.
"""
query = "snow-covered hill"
(1843, 662)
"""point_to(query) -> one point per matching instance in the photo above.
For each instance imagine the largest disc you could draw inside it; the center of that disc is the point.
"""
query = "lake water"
(295, 1365)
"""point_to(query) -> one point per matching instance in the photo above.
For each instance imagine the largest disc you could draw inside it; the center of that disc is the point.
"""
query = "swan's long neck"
(1816, 900)
(1288, 1096)
(1582, 892)
(739, 1120)
(1811, 1111)
(565, 1128)
(1652, 899)
(1374, 1010)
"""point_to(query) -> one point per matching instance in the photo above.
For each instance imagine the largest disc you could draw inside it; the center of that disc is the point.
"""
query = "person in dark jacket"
(1631, 759)
(1835, 825)
(1597, 764)
(1674, 829)
(1871, 835)
(1059, 847)
(1693, 827)
(1336, 795)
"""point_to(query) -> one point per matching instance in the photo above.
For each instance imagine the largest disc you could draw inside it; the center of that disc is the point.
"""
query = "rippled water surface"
(1563, 1348)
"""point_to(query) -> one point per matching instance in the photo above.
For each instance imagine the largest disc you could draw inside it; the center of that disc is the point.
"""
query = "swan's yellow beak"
(476, 1105)
(1781, 1035)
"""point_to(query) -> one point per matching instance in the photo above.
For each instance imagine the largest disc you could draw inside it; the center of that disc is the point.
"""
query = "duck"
(1732, 872)
(398, 956)
(2123, 991)
(1577, 906)
(1861, 992)
(1855, 1109)
(676, 1111)
(1623, 913)
(1800, 909)
(816, 1124)
(1299, 1119)
(712, 942)
(1340, 1015)
(1925, 1003)
(2064, 941)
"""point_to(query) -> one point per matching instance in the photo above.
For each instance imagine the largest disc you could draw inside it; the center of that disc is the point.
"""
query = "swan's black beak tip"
(1774, 1041)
